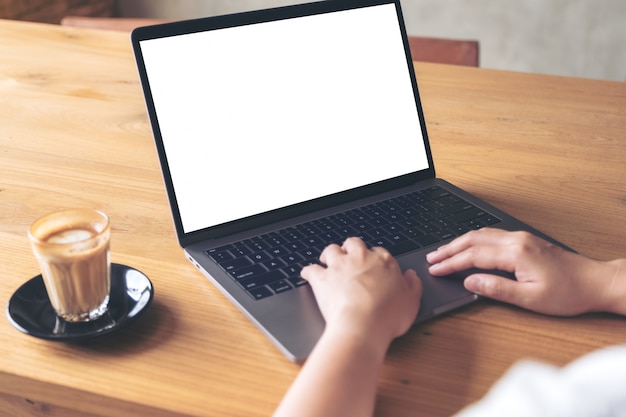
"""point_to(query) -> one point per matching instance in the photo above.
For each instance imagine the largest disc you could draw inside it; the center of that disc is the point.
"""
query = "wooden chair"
(443, 51)
(109, 23)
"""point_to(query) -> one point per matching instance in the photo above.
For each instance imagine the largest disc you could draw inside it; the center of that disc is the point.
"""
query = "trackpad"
(439, 292)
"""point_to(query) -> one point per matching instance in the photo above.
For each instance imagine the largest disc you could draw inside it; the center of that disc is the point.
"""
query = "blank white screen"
(267, 115)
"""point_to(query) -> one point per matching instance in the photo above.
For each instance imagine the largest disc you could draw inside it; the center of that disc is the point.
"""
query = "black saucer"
(29, 309)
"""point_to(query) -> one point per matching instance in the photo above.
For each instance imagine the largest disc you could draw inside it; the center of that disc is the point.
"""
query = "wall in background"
(52, 11)
(584, 38)
(581, 38)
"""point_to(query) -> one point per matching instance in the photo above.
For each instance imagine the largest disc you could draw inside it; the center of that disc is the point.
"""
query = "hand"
(366, 301)
(550, 279)
(363, 290)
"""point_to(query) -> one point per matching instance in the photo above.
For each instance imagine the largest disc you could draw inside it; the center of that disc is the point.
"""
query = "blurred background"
(580, 38)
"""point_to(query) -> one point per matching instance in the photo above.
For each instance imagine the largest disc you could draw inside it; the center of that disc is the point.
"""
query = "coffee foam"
(70, 236)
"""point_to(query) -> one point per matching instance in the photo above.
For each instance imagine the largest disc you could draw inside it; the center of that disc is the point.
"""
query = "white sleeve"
(592, 386)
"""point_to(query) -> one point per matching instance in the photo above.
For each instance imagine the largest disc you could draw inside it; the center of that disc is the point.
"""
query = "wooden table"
(74, 132)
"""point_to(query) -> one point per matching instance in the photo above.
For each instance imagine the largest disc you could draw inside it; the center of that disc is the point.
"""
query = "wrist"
(367, 342)
(614, 293)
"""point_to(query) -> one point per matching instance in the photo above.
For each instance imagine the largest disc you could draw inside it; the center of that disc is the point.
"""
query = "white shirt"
(592, 386)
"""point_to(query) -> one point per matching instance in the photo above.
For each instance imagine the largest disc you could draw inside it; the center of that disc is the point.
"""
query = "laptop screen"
(266, 115)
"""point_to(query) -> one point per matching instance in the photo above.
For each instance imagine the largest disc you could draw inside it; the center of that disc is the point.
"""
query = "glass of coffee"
(72, 248)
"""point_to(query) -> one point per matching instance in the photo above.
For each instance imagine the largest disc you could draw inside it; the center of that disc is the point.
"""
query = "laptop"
(282, 130)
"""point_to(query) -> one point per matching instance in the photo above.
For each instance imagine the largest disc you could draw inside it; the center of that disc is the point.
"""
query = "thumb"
(497, 288)
(414, 281)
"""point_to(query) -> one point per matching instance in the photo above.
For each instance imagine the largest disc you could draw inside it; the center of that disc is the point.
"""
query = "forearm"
(338, 379)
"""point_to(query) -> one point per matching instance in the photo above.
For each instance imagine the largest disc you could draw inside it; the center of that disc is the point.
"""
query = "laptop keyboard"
(270, 263)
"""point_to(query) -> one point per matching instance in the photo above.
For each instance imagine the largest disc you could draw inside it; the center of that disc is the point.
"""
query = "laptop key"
(403, 247)
(463, 216)
(383, 243)
(427, 240)
(241, 250)
(291, 259)
(220, 249)
(260, 257)
(235, 264)
(247, 272)
(293, 270)
(445, 234)
(280, 286)
(297, 281)
(262, 279)
(222, 256)
(260, 292)
(490, 220)
(273, 264)
(257, 246)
